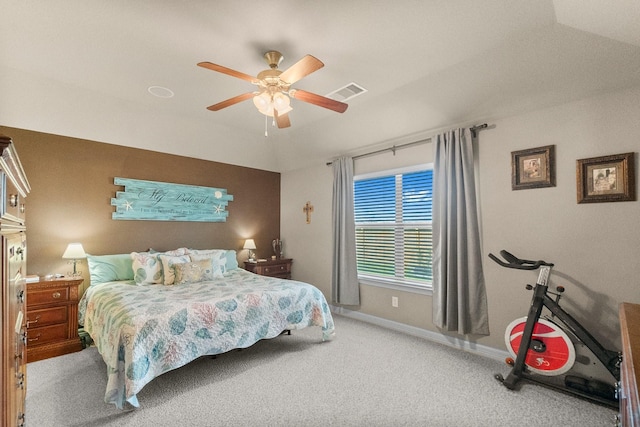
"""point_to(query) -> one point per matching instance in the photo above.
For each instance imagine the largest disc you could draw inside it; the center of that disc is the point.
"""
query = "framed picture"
(533, 168)
(606, 179)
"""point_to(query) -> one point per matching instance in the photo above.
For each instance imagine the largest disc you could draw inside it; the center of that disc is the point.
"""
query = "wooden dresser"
(280, 267)
(630, 368)
(52, 318)
(14, 188)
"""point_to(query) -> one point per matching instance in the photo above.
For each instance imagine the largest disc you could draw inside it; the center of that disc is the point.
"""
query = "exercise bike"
(554, 349)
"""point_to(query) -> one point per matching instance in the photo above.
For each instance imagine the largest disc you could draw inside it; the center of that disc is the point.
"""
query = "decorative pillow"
(232, 261)
(147, 268)
(192, 272)
(218, 260)
(168, 263)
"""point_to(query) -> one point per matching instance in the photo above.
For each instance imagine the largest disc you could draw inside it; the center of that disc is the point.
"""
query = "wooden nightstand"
(52, 318)
(273, 267)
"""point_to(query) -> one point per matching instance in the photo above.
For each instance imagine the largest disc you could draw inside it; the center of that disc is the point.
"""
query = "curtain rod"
(473, 129)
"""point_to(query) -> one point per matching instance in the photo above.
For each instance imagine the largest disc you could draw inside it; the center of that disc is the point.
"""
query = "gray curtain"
(344, 279)
(459, 296)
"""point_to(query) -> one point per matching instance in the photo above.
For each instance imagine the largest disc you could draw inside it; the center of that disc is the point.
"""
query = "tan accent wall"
(72, 186)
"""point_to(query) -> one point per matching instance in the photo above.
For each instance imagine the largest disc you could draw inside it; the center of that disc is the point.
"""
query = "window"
(393, 227)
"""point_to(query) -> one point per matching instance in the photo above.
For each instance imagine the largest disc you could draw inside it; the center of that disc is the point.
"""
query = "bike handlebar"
(515, 262)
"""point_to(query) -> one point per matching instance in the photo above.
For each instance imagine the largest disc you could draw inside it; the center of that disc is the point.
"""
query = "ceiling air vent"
(347, 92)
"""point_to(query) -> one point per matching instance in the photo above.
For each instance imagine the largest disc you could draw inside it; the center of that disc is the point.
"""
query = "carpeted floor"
(366, 376)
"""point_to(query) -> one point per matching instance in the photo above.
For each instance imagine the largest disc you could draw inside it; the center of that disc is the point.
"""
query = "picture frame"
(533, 168)
(606, 179)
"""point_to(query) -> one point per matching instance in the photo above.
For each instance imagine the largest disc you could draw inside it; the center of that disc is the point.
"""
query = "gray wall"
(594, 246)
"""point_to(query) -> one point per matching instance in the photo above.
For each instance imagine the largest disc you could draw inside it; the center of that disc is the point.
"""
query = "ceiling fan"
(272, 97)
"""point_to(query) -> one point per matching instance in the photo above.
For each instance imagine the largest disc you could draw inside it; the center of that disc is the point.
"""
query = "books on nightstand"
(31, 278)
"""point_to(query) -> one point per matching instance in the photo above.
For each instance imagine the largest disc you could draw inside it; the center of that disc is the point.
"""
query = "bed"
(149, 313)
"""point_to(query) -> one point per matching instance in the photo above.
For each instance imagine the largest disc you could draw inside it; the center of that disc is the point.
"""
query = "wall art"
(533, 168)
(162, 201)
(606, 179)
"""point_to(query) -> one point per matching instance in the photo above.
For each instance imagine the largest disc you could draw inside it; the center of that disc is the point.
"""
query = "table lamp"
(251, 245)
(74, 252)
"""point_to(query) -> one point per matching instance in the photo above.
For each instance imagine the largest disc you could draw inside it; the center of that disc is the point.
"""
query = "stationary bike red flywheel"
(551, 351)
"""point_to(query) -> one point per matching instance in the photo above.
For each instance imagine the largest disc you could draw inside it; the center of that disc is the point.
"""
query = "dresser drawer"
(46, 316)
(274, 268)
(52, 318)
(36, 336)
(47, 296)
(270, 270)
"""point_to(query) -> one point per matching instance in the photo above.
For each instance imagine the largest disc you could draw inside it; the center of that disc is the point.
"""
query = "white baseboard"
(479, 349)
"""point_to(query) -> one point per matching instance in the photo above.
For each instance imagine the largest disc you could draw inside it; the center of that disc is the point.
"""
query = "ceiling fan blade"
(282, 120)
(318, 100)
(228, 71)
(231, 101)
(303, 67)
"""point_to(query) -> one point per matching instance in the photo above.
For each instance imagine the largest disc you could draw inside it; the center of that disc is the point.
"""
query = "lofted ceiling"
(82, 68)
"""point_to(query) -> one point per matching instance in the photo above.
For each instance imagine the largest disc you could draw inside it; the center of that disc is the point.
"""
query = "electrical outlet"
(394, 301)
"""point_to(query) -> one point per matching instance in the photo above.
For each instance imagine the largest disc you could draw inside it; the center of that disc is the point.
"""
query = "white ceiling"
(81, 68)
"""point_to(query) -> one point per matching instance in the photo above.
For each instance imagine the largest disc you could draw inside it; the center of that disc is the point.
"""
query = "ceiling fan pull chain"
(266, 133)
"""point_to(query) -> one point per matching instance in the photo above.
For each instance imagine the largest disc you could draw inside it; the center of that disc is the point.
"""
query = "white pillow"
(175, 252)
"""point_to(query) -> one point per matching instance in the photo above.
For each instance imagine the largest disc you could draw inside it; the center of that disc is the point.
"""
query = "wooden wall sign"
(162, 201)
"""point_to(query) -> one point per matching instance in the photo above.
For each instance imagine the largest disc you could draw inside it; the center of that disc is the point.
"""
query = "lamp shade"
(266, 103)
(262, 101)
(281, 102)
(74, 251)
(249, 244)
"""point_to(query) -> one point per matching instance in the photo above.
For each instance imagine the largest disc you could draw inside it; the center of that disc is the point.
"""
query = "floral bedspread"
(143, 331)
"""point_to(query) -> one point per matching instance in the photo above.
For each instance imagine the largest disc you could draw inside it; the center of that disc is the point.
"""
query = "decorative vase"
(277, 246)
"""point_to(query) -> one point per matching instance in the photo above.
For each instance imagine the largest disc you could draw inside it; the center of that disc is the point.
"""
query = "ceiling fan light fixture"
(280, 100)
(266, 103)
(273, 95)
(268, 111)
(262, 101)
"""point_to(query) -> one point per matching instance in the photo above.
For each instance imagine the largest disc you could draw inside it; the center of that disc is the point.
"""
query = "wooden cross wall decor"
(308, 208)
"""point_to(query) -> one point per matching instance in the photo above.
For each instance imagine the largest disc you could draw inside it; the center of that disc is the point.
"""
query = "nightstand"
(52, 318)
(280, 267)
